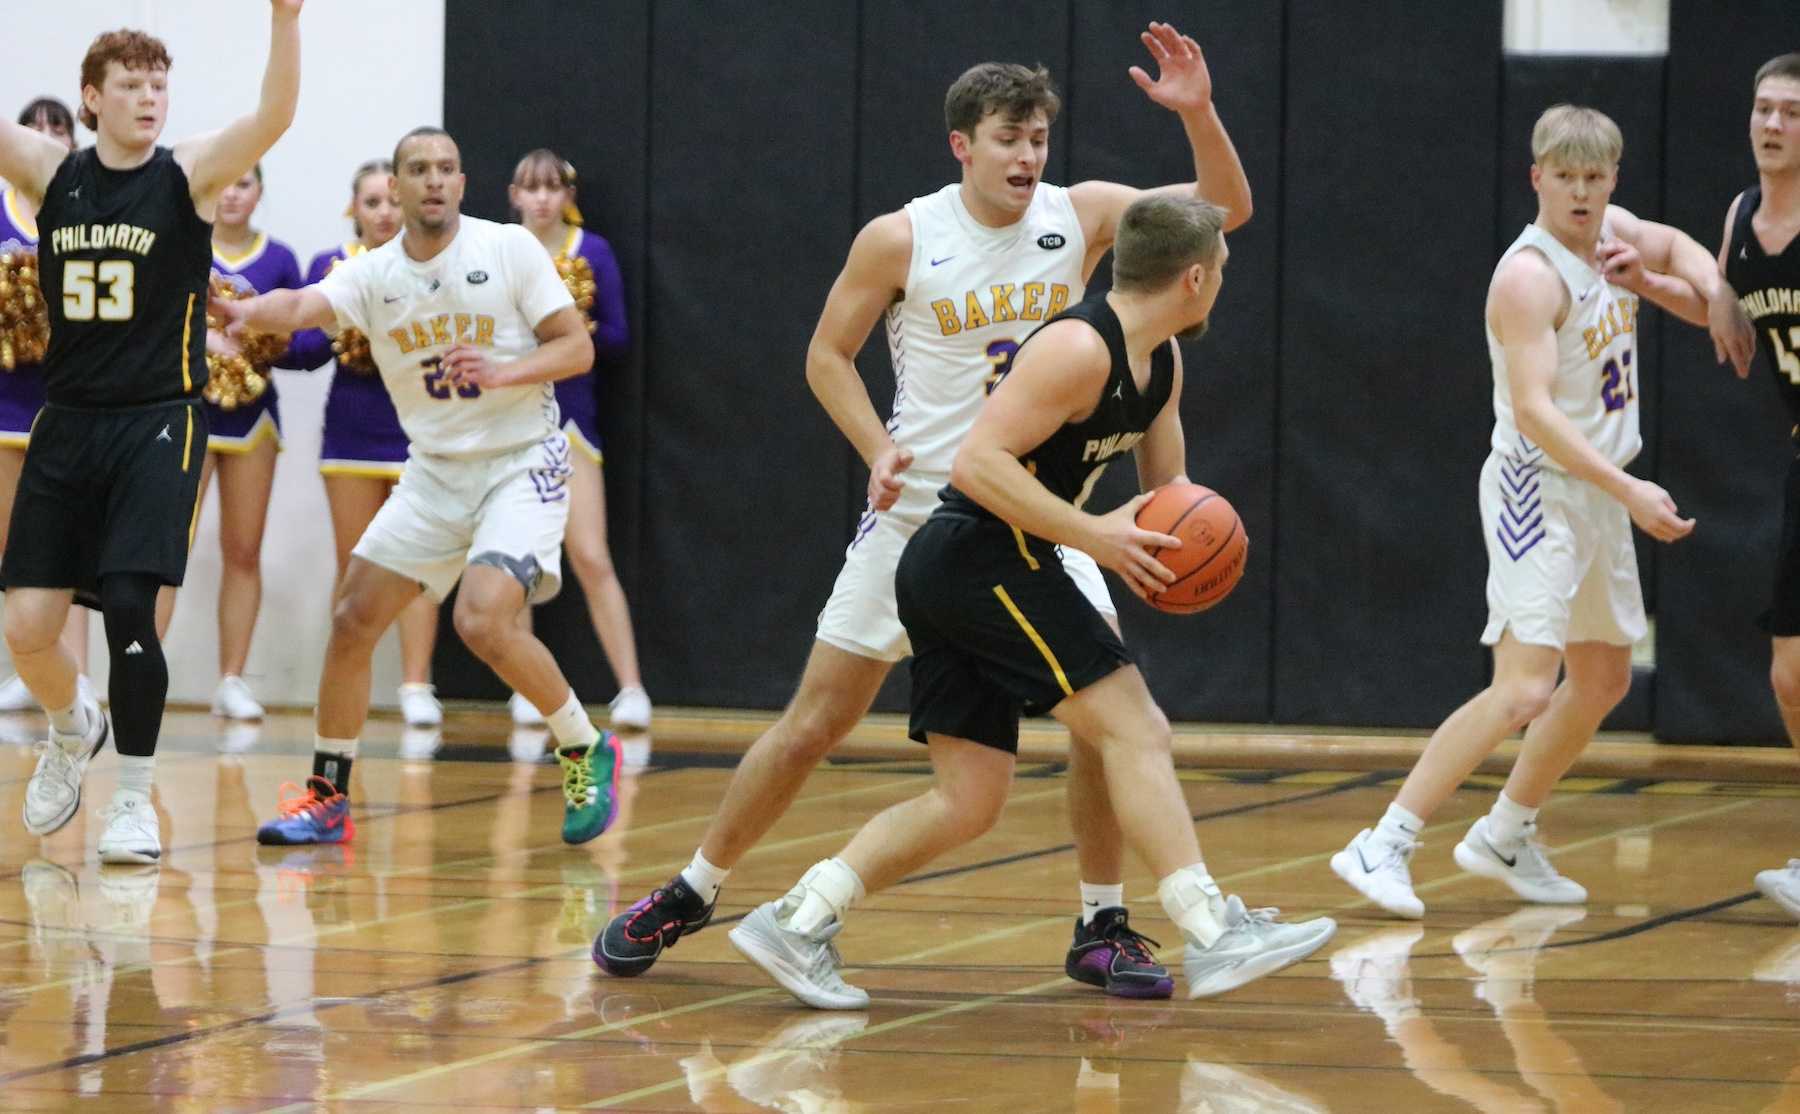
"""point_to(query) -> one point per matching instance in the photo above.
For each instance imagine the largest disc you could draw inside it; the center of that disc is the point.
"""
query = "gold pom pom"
(236, 380)
(578, 276)
(24, 318)
(353, 354)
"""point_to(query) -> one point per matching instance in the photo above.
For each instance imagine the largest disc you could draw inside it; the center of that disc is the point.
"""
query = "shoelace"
(1530, 850)
(297, 799)
(1131, 942)
(577, 781)
(55, 759)
(1400, 854)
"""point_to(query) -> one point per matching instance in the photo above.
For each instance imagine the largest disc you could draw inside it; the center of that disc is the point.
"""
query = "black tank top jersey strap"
(1071, 459)
(124, 261)
(1768, 287)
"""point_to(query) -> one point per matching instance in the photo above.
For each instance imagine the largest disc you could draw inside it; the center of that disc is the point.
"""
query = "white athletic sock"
(71, 720)
(824, 894)
(1508, 818)
(343, 748)
(1095, 898)
(571, 725)
(1192, 900)
(704, 878)
(1399, 826)
(136, 773)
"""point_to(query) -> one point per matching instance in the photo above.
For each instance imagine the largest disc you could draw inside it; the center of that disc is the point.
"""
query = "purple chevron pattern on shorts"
(1521, 524)
(552, 479)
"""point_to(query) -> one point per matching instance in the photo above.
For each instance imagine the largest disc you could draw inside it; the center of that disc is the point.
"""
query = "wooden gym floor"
(441, 959)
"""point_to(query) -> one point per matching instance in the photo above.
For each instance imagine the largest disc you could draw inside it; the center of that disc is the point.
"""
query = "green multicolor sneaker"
(590, 786)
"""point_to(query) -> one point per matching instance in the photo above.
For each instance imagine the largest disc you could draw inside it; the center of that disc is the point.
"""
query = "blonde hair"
(1571, 136)
(1161, 237)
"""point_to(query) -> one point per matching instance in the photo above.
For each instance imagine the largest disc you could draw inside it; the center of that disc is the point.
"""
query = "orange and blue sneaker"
(317, 813)
(1108, 954)
(590, 786)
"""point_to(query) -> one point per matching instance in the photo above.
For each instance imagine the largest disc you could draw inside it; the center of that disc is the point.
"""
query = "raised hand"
(1183, 83)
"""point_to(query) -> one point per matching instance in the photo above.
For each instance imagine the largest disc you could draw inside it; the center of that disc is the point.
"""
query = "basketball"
(1213, 549)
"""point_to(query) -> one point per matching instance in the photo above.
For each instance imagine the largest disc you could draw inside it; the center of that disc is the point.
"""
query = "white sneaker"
(54, 792)
(131, 834)
(806, 965)
(524, 713)
(15, 697)
(631, 709)
(1782, 886)
(1254, 944)
(528, 744)
(233, 700)
(1376, 867)
(1377, 973)
(419, 705)
(1521, 863)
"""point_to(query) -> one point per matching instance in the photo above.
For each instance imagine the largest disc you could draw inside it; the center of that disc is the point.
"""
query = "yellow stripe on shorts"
(1062, 679)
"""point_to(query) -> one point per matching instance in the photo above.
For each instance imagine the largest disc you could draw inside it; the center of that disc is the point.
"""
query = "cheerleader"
(22, 388)
(363, 449)
(241, 450)
(543, 194)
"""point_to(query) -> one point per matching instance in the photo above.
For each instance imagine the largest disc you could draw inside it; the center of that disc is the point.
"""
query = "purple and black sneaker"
(630, 944)
(1108, 954)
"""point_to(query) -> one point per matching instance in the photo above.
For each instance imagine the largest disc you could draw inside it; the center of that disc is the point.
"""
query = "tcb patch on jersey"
(1050, 241)
(476, 278)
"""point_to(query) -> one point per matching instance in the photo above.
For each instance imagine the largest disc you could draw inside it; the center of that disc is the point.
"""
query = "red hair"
(133, 50)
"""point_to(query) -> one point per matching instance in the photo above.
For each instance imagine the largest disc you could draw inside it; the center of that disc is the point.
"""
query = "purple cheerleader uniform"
(579, 398)
(21, 389)
(362, 435)
(268, 265)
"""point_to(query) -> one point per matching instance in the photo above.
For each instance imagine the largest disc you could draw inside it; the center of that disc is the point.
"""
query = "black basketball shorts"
(998, 630)
(1783, 617)
(106, 491)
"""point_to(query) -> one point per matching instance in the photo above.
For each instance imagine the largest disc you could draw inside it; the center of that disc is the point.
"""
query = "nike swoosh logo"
(1367, 869)
(1512, 862)
(392, 300)
(1584, 294)
(946, 259)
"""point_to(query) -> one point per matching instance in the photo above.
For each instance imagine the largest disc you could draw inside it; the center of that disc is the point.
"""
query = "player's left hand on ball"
(1622, 264)
(1182, 80)
(466, 364)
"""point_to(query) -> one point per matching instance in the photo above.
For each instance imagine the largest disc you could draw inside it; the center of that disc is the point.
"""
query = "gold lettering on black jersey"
(103, 237)
(1770, 301)
(1105, 448)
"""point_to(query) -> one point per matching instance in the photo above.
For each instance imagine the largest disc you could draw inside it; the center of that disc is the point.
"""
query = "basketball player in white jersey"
(1556, 511)
(961, 277)
(469, 325)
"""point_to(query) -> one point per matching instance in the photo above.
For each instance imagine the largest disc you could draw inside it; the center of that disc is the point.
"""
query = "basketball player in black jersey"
(107, 496)
(1761, 260)
(999, 629)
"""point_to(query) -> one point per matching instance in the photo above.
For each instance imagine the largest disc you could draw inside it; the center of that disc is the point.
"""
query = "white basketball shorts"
(861, 617)
(1561, 567)
(445, 511)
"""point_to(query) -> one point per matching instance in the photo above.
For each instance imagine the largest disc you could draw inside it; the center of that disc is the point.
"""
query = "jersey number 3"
(82, 280)
(1788, 358)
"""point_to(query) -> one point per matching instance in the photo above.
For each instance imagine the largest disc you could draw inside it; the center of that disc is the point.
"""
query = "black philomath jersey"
(124, 260)
(1768, 287)
(1071, 459)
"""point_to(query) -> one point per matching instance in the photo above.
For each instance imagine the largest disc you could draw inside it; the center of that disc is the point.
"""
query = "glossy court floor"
(441, 959)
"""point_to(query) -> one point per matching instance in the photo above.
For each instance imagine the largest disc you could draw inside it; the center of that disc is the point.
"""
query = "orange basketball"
(1213, 549)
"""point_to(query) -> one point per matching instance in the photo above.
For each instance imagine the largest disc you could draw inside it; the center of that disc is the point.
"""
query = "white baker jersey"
(973, 294)
(1596, 383)
(491, 288)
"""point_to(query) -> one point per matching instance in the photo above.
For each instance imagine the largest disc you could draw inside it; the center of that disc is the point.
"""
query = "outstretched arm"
(874, 276)
(28, 159)
(1183, 85)
(216, 160)
(278, 311)
(1668, 267)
